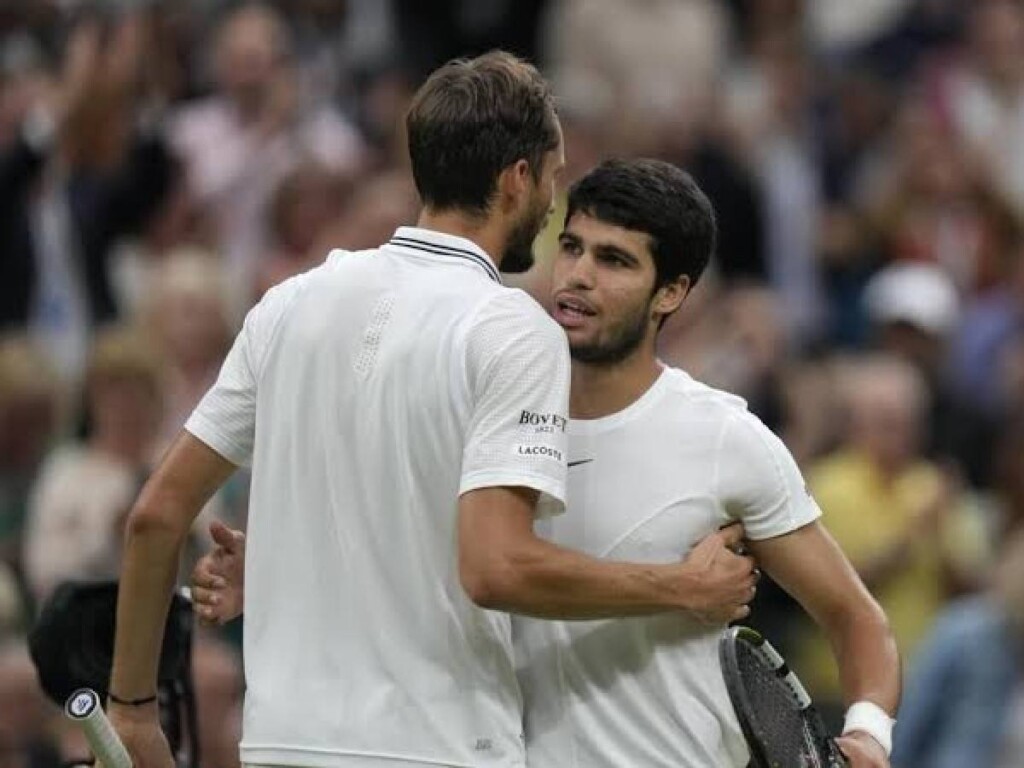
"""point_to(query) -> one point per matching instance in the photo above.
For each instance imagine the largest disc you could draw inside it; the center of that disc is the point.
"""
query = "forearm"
(548, 581)
(866, 653)
(504, 565)
(809, 565)
(152, 550)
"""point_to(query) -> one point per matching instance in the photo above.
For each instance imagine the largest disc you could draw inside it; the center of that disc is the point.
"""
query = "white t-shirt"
(645, 485)
(371, 392)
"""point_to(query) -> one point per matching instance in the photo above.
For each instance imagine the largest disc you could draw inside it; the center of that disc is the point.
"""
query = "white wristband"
(872, 720)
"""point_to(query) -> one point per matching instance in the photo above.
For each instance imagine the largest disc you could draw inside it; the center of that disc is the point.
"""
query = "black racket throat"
(778, 720)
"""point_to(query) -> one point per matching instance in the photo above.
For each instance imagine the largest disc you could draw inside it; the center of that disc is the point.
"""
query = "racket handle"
(836, 759)
(83, 706)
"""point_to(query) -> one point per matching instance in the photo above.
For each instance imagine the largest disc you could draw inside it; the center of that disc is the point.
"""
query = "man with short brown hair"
(405, 417)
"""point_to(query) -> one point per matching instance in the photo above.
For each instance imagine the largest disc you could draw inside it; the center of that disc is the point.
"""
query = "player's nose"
(583, 274)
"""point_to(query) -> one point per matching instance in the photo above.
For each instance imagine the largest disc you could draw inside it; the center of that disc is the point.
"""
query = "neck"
(601, 390)
(484, 231)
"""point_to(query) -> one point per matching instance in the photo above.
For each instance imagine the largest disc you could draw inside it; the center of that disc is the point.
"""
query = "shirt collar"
(434, 243)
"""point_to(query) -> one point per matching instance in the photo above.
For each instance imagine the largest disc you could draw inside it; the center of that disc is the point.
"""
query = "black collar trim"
(447, 250)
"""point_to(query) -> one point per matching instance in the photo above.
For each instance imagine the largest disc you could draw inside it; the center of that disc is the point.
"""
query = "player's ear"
(668, 298)
(514, 183)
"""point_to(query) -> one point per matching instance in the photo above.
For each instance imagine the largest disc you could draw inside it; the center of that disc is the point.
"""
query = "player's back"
(361, 645)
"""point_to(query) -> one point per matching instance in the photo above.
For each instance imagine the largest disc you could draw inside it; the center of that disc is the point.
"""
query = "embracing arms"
(504, 565)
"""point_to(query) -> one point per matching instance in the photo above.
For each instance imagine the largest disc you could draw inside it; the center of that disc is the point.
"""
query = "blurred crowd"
(165, 162)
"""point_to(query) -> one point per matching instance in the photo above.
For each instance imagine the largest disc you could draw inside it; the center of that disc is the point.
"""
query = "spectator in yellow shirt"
(895, 514)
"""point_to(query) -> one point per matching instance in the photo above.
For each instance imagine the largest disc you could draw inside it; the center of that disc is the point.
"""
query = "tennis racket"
(83, 706)
(781, 726)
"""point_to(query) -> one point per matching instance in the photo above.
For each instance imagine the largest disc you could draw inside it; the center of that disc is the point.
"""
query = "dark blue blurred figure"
(962, 704)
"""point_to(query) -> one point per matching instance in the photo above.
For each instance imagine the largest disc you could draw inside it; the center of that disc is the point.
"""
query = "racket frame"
(746, 714)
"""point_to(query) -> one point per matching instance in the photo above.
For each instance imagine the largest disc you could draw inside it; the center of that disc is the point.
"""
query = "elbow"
(872, 615)
(884, 629)
(484, 587)
(491, 582)
(862, 617)
(481, 591)
(151, 519)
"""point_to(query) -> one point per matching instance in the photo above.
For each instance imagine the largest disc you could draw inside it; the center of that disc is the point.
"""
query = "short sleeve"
(517, 362)
(225, 418)
(758, 480)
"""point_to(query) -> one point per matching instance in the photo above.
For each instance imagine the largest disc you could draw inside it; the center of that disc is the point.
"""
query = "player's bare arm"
(157, 527)
(809, 565)
(505, 566)
(532, 576)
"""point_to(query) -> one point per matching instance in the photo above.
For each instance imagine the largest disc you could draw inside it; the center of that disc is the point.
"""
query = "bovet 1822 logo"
(543, 422)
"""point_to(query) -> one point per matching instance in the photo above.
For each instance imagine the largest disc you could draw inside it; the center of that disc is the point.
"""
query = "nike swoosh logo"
(581, 461)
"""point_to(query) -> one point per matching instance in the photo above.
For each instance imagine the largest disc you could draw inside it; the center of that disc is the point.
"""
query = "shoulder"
(336, 260)
(508, 325)
(268, 315)
(340, 258)
(514, 308)
(278, 297)
(723, 412)
(723, 404)
(750, 446)
(735, 433)
(340, 269)
(513, 299)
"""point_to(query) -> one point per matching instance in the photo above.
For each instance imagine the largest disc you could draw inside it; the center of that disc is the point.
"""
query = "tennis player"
(404, 414)
(658, 461)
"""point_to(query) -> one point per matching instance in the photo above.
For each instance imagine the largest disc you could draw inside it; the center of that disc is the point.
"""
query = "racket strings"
(777, 709)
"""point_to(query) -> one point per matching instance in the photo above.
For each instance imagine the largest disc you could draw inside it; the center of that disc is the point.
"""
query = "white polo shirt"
(645, 485)
(370, 393)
